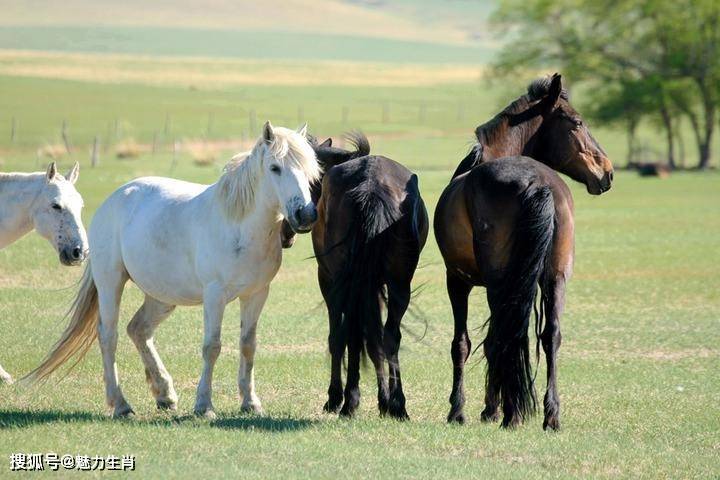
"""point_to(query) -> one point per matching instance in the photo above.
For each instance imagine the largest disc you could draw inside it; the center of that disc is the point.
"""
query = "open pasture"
(638, 375)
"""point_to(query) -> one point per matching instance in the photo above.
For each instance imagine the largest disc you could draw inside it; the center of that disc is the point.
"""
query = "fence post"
(210, 122)
(94, 156)
(174, 156)
(252, 120)
(385, 112)
(13, 130)
(155, 143)
(65, 138)
(166, 128)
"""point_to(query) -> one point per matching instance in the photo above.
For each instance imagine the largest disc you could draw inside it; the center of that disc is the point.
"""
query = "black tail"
(359, 289)
(361, 143)
(512, 301)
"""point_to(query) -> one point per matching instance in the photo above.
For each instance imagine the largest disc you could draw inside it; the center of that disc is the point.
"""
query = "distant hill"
(435, 21)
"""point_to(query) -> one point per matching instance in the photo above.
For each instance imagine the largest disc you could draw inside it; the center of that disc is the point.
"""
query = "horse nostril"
(610, 175)
(77, 251)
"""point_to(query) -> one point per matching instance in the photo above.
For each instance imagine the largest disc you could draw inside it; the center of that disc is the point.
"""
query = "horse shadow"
(20, 419)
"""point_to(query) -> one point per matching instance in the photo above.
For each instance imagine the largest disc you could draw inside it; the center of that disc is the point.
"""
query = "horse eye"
(275, 169)
(55, 206)
(578, 123)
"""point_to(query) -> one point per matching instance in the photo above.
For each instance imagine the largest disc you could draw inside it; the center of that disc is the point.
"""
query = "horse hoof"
(208, 414)
(331, 407)
(254, 408)
(124, 412)
(456, 417)
(347, 412)
(400, 415)
(511, 423)
(166, 405)
(551, 423)
(7, 380)
(489, 417)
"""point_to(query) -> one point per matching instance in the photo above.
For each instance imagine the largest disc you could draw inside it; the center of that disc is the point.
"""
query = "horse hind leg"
(551, 339)
(110, 286)
(377, 356)
(458, 291)
(141, 330)
(5, 377)
(491, 412)
(398, 301)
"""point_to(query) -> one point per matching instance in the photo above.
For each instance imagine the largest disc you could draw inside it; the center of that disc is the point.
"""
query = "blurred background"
(191, 80)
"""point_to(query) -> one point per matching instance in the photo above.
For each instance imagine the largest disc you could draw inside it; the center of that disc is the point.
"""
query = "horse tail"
(361, 143)
(79, 335)
(513, 300)
(417, 210)
(359, 288)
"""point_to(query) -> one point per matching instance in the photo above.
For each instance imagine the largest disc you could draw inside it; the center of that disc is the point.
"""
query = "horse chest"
(250, 265)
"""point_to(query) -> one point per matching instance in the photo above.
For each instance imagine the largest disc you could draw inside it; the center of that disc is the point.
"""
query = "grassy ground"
(638, 371)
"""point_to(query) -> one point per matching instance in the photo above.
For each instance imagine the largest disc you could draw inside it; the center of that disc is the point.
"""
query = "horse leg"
(551, 339)
(249, 316)
(141, 329)
(491, 412)
(398, 301)
(458, 291)
(337, 349)
(377, 356)
(352, 386)
(213, 309)
(110, 287)
(5, 376)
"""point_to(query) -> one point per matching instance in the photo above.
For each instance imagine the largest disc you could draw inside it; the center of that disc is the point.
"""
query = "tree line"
(643, 60)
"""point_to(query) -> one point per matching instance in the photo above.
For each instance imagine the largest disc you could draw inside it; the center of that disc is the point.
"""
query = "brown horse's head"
(564, 141)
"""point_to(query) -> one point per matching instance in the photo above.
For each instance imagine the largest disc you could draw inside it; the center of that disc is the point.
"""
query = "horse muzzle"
(303, 218)
(73, 255)
(601, 185)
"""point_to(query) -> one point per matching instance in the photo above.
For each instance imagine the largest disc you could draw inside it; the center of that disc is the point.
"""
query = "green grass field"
(639, 364)
(638, 368)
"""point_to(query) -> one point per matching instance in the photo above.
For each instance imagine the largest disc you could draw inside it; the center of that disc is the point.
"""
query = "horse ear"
(268, 132)
(554, 92)
(326, 143)
(303, 130)
(73, 174)
(51, 171)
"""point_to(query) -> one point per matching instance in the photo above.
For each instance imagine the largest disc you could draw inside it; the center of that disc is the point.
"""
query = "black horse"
(372, 225)
(505, 222)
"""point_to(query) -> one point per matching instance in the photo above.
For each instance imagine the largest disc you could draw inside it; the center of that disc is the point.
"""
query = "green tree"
(667, 52)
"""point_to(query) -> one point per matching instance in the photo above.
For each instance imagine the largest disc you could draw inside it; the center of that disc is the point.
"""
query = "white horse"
(48, 203)
(184, 244)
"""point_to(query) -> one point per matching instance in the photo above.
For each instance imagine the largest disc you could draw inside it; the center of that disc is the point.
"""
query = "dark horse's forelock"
(540, 87)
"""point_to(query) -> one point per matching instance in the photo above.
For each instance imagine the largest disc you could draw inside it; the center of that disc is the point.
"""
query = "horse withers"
(372, 225)
(187, 244)
(48, 203)
(505, 222)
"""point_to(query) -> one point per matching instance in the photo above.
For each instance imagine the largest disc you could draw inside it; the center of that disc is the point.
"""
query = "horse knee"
(211, 350)
(460, 350)
(551, 337)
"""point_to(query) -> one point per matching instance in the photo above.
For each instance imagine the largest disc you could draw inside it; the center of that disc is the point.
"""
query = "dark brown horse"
(505, 222)
(372, 225)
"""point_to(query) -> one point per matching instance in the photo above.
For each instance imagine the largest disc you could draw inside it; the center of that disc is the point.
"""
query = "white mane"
(242, 174)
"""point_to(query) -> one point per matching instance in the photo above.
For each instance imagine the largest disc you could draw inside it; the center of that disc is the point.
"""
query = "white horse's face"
(291, 183)
(57, 216)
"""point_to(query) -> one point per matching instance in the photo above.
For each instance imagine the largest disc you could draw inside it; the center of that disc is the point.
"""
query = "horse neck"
(260, 221)
(18, 193)
(507, 140)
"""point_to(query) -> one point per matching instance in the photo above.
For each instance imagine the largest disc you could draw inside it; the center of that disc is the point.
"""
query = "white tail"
(79, 335)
